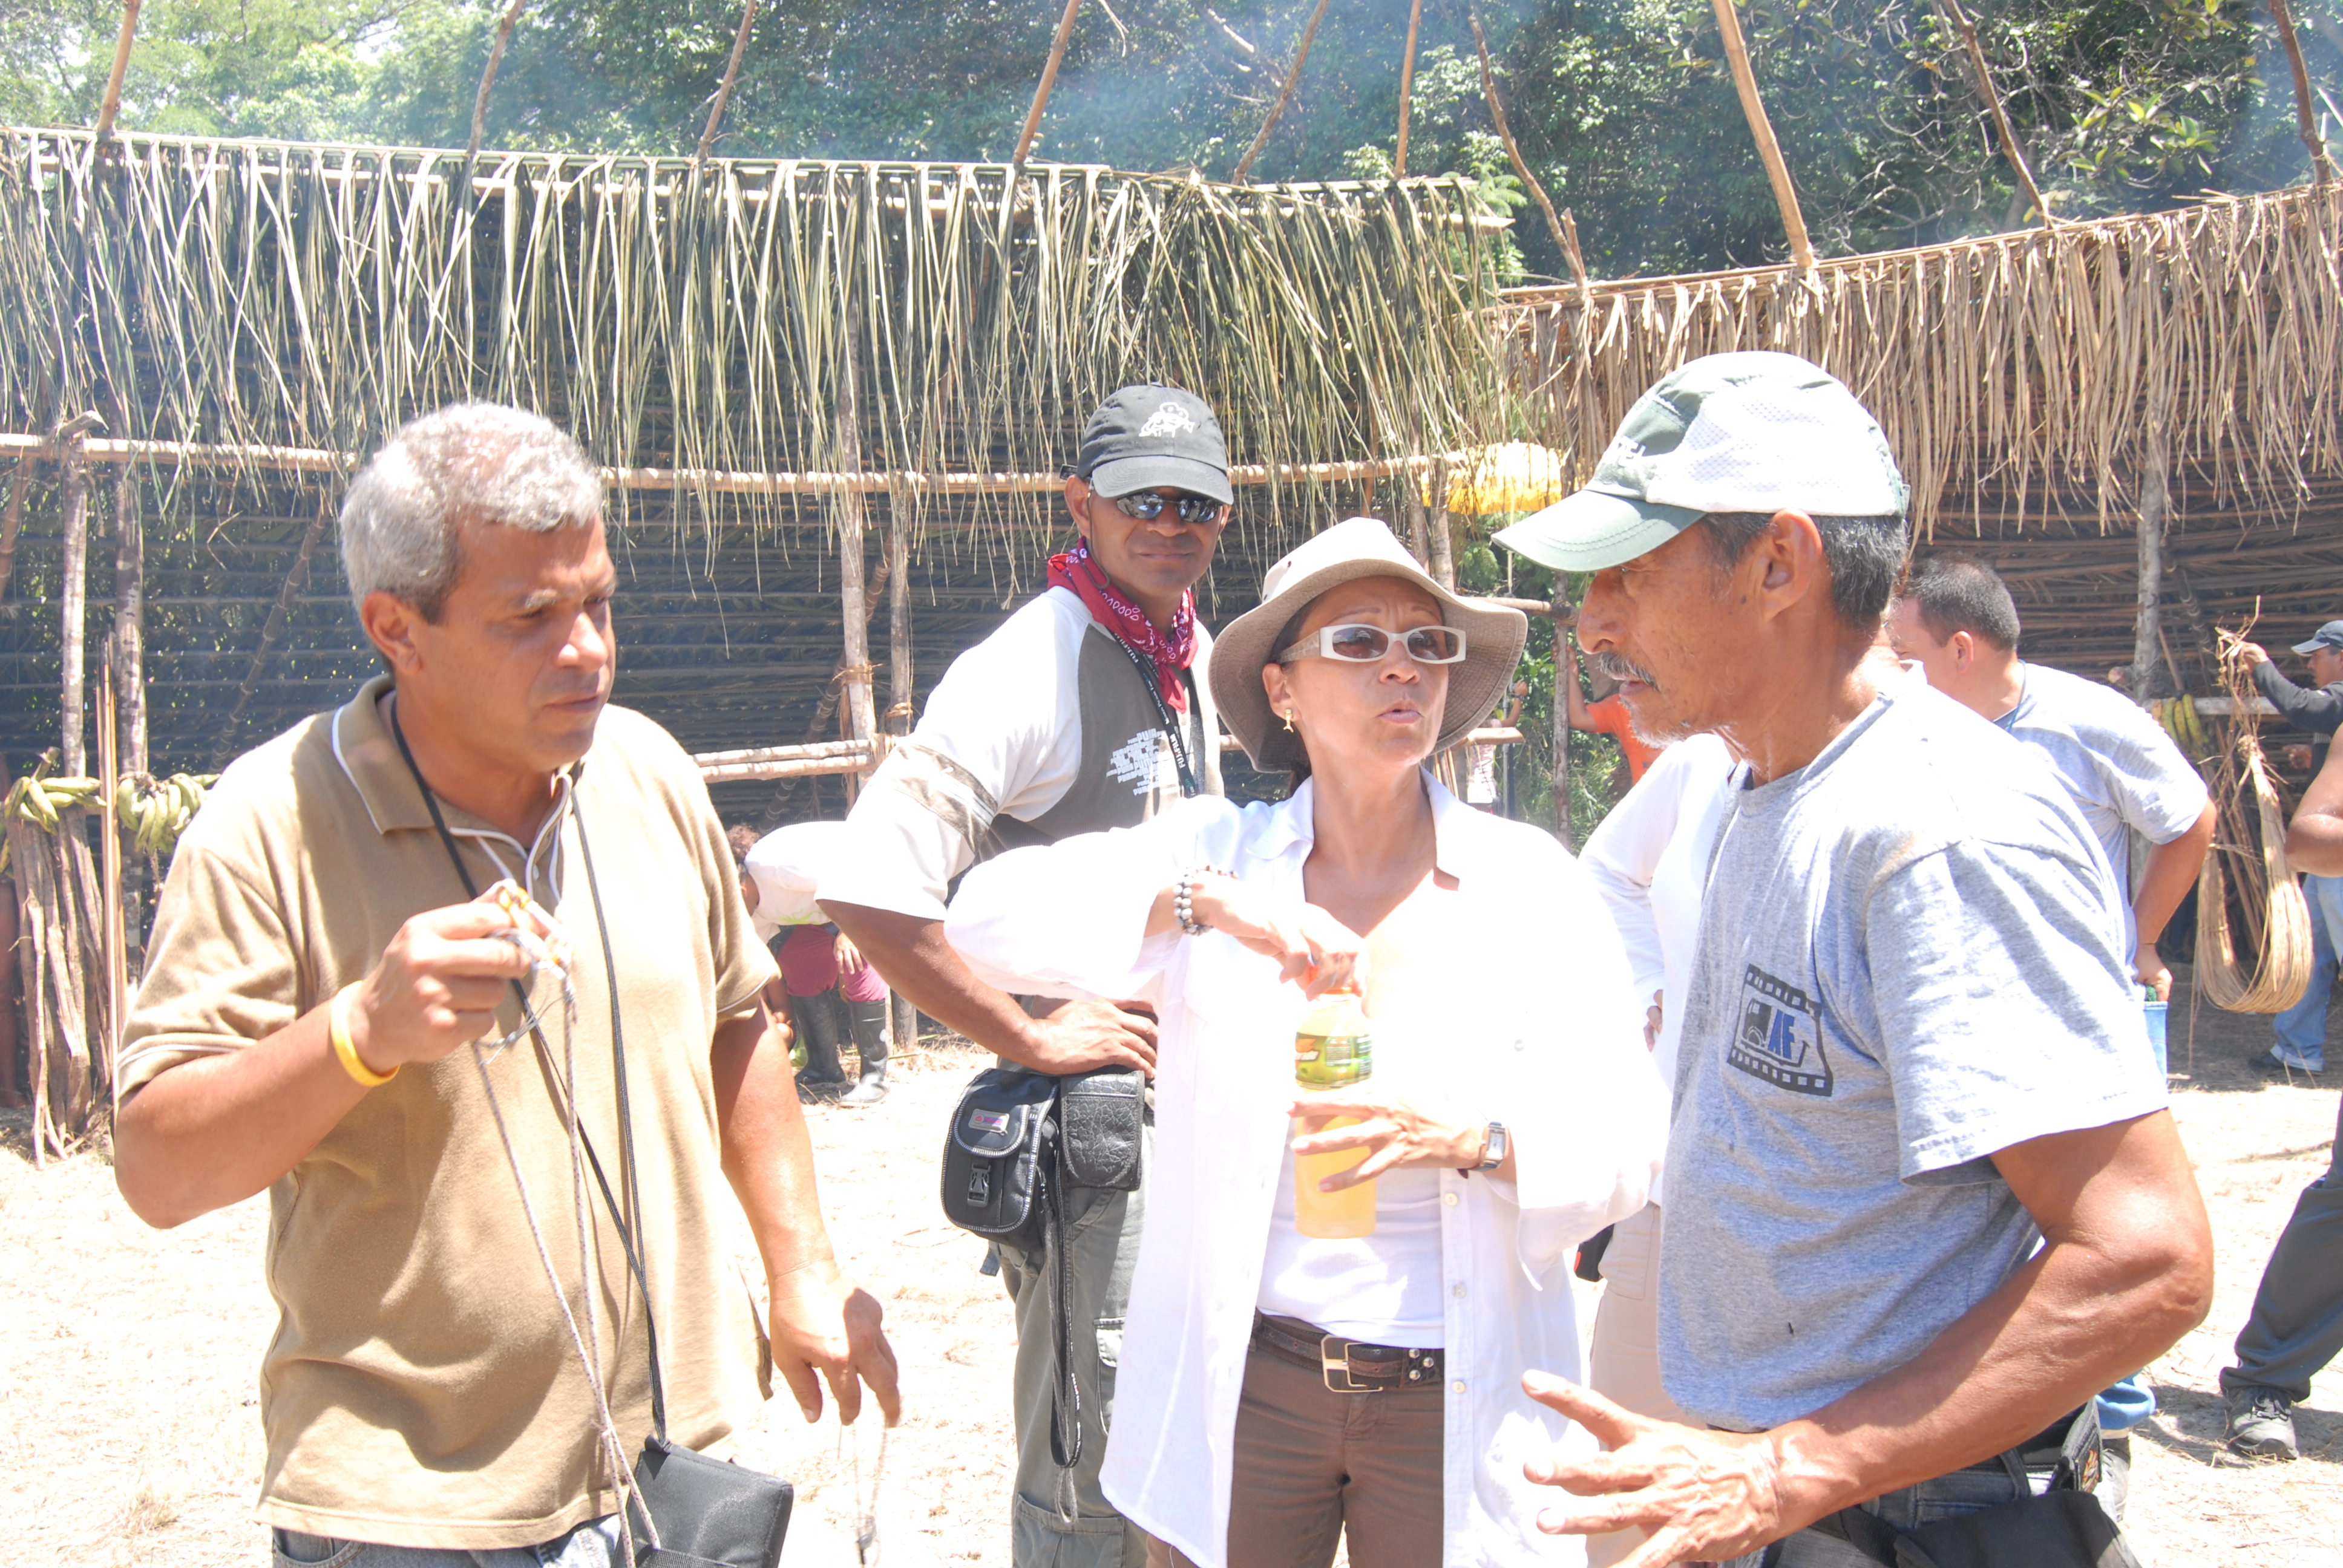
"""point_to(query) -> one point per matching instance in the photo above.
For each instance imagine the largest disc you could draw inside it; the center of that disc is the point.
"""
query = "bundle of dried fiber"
(2247, 897)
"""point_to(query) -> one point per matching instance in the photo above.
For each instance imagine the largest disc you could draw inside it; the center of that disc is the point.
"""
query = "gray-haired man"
(317, 974)
(1923, 1197)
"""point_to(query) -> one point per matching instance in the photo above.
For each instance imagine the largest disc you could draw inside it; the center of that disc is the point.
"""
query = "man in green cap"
(1925, 1198)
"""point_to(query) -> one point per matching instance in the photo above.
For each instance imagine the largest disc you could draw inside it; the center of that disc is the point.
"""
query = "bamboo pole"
(1566, 237)
(130, 622)
(897, 572)
(73, 600)
(1406, 87)
(861, 722)
(2322, 168)
(105, 1036)
(1761, 129)
(1042, 91)
(1285, 94)
(1991, 95)
(489, 77)
(111, 104)
(724, 89)
(2155, 502)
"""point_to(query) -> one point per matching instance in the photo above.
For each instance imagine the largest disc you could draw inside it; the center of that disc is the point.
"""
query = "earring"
(1289, 722)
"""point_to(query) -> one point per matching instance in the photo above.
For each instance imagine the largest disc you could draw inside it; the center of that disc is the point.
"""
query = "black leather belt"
(1348, 1366)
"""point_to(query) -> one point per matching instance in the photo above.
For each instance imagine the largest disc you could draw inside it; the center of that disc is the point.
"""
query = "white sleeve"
(1002, 733)
(1069, 919)
(2157, 791)
(1623, 851)
(1591, 1115)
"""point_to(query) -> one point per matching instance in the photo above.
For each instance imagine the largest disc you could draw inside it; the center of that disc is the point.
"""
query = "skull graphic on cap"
(1170, 419)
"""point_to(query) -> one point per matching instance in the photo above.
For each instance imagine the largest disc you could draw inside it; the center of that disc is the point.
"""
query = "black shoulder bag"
(702, 1513)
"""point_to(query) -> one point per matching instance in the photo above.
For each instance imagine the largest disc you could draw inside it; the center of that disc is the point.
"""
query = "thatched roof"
(763, 326)
(2009, 371)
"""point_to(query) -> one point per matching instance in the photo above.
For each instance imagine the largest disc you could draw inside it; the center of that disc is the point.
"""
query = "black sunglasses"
(1148, 505)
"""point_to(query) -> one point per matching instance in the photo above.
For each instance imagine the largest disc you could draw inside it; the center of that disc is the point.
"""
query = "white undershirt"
(1382, 1289)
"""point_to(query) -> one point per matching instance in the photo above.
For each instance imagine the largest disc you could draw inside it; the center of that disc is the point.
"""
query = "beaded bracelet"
(1183, 899)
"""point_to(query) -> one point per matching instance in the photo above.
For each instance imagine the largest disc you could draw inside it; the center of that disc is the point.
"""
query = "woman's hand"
(848, 956)
(1393, 1132)
(1309, 945)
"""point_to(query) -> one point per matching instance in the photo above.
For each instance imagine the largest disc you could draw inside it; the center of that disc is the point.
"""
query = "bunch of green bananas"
(154, 811)
(2180, 720)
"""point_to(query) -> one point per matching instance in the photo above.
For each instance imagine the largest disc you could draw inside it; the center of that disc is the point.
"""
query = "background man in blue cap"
(1078, 714)
(2301, 1029)
(1925, 1198)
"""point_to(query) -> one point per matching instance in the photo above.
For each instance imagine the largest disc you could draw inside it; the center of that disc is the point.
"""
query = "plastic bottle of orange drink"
(1333, 1050)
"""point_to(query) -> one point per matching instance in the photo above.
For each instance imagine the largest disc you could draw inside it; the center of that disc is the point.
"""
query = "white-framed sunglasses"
(1355, 643)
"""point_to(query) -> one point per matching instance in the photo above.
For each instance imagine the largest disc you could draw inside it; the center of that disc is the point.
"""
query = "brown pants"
(1313, 1465)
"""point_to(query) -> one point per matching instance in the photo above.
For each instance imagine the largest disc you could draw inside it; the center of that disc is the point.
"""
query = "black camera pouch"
(994, 1157)
(1101, 1119)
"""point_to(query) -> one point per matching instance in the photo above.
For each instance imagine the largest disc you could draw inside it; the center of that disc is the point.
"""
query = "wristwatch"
(1493, 1150)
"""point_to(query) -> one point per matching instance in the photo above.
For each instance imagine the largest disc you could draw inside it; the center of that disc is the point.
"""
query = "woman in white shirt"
(1275, 1391)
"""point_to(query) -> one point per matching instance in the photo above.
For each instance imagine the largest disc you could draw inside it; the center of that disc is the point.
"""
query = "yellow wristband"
(337, 1017)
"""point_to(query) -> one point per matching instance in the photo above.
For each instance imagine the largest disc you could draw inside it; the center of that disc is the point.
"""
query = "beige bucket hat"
(1354, 549)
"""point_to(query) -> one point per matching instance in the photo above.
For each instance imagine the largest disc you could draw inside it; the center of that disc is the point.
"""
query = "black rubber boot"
(868, 1020)
(821, 1078)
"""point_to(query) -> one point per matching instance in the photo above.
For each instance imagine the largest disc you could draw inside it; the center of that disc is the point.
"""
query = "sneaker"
(2277, 1061)
(2261, 1423)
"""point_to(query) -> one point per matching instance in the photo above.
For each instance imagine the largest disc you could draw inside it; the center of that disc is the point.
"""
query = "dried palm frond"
(2246, 898)
(765, 317)
(2009, 363)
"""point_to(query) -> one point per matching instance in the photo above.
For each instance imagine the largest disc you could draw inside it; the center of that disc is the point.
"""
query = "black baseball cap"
(1155, 438)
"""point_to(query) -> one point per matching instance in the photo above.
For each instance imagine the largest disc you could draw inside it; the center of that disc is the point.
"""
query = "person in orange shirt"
(1609, 717)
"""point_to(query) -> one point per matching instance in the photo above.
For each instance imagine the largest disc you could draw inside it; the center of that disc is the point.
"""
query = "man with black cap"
(2300, 1045)
(1078, 714)
(2319, 711)
(1925, 1197)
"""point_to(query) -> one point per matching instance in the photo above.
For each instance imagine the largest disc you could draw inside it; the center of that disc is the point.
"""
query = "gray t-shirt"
(2123, 770)
(1907, 964)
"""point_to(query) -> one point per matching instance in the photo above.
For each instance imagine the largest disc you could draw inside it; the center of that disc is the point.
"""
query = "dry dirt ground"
(129, 1434)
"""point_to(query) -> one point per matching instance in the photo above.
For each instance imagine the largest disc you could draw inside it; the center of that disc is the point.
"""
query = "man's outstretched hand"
(1704, 1496)
(822, 1323)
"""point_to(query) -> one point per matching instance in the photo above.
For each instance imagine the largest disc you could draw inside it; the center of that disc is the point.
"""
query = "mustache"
(1618, 666)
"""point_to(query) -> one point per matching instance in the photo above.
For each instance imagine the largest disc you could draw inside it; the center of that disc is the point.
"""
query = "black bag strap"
(545, 1055)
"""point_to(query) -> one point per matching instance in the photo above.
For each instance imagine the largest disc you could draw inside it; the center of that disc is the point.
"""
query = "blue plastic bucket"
(2155, 1011)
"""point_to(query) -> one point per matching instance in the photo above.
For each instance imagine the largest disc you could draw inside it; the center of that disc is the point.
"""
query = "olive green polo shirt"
(421, 1389)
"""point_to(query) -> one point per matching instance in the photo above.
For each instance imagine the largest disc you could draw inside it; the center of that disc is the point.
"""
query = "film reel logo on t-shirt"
(1778, 1039)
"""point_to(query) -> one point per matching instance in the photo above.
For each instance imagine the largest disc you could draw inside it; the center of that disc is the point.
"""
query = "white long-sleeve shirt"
(1546, 1037)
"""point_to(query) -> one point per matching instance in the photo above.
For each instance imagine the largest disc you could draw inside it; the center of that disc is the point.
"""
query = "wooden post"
(2154, 503)
(1991, 95)
(129, 622)
(488, 80)
(2322, 169)
(1049, 80)
(1565, 669)
(73, 598)
(1565, 233)
(111, 104)
(1406, 87)
(105, 1036)
(724, 90)
(1761, 129)
(897, 570)
(12, 522)
(1285, 94)
(1444, 550)
(1419, 530)
(861, 722)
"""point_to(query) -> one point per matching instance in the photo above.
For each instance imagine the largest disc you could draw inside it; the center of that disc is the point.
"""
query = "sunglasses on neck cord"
(1146, 506)
(1355, 643)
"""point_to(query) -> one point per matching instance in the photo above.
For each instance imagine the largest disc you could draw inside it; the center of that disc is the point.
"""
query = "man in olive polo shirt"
(316, 977)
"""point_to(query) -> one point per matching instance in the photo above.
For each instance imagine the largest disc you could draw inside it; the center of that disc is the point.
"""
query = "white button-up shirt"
(1547, 1038)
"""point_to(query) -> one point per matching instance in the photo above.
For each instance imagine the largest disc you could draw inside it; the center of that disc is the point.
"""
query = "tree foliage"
(1623, 108)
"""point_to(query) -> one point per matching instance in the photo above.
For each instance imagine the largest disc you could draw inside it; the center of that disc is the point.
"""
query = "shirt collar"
(1455, 828)
(369, 753)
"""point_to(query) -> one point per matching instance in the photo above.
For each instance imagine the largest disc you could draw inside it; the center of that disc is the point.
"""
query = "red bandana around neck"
(1116, 612)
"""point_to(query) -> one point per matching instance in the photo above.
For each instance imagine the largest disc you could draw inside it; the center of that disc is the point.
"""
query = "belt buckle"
(1334, 1362)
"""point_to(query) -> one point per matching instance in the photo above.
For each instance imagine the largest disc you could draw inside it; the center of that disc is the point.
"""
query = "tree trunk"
(861, 722)
(1444, 550)
(897, 572)
(2147, 681)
